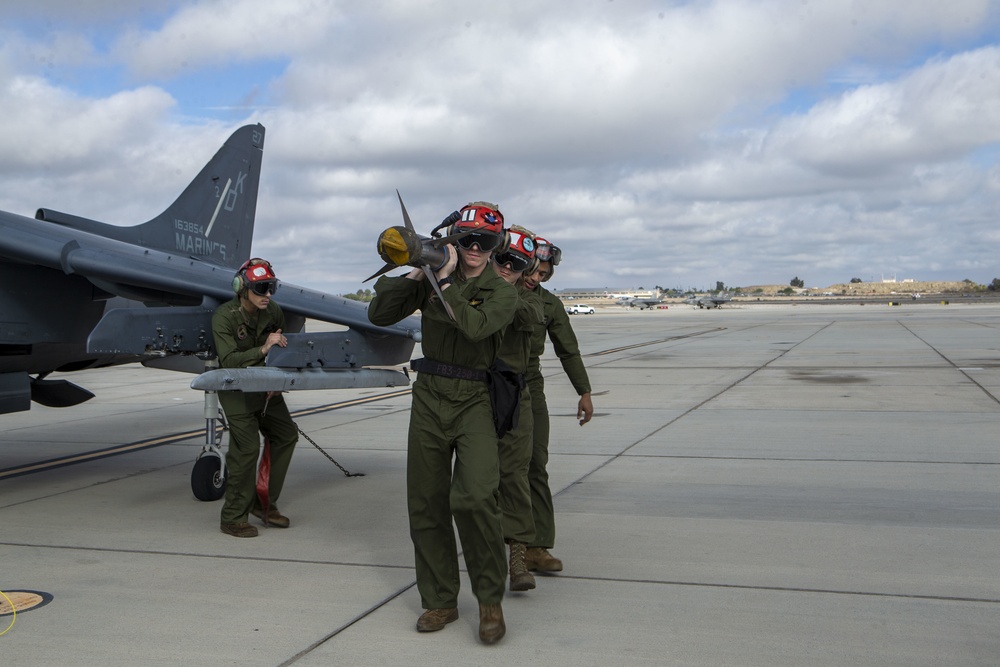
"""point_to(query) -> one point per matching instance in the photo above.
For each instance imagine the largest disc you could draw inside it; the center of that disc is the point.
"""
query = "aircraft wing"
(189, 288)
(127, 270)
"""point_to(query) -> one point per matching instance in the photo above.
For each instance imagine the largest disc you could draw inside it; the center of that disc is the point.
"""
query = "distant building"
(894, 281)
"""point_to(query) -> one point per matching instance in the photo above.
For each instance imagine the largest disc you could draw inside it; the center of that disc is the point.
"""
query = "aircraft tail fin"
(213, 219)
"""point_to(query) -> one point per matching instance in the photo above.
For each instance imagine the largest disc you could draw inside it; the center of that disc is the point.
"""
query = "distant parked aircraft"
(709, 301)
(644, 302)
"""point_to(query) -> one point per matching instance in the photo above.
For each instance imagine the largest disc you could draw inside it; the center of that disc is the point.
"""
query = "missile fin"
(430, 277)
(406, 216)
(384, 269)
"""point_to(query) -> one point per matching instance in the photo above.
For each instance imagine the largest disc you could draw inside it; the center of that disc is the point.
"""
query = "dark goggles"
(264, 287)
(517, 261)
(486, 242)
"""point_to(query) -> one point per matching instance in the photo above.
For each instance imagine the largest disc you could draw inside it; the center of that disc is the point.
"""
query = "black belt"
(432, 367)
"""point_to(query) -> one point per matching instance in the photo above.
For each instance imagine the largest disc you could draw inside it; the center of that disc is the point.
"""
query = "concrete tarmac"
(761, 485)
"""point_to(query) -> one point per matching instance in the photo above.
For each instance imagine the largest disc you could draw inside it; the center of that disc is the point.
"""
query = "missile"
(402, 246)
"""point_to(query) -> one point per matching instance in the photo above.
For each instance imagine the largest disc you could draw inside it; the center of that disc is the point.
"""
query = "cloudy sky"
(673, 143)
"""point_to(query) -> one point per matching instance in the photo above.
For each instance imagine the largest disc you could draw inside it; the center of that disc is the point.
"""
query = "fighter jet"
(643, 303)
(709, 300)
(82, 294)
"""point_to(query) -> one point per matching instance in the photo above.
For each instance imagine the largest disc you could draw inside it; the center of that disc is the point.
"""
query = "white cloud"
(714, 140)
(940, 111)
(216, 34)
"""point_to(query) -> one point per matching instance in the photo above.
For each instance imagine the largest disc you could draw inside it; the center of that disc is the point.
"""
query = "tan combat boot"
(273, 517)
(491, 625)
(433, 620)
(539, 558)
(520, 578)
(242, 529)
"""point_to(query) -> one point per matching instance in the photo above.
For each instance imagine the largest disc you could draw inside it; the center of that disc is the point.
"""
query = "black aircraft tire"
(205, 478)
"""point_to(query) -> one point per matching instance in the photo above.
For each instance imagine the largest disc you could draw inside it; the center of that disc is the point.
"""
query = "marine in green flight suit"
(515, 445)
(453, 416)
(556, 326)
(244, 330)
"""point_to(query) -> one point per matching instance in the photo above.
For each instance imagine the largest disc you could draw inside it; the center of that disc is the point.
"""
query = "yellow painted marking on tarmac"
(3, 607)
(177, 437)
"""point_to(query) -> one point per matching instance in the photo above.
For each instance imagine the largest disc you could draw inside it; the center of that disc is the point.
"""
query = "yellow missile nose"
(392, 247)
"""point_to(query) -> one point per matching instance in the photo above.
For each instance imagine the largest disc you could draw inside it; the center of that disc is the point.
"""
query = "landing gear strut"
(208, 477)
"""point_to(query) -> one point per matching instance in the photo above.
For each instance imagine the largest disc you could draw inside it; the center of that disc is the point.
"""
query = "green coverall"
(560, 332)
(239, 336)
(453, 415)
(515, 446)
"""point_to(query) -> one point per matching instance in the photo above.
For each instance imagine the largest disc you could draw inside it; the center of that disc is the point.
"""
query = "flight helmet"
(256, 275)
(486, 222)
(520, 251)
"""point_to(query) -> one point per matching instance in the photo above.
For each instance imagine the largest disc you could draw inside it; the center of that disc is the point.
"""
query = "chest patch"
(241, 332)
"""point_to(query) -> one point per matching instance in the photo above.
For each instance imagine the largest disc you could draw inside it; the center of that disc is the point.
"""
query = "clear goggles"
(546, 252)
(486, 242)
(264, 287)
(515, 260)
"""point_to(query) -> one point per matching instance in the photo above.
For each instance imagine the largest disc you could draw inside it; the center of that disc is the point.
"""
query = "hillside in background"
(858, 289)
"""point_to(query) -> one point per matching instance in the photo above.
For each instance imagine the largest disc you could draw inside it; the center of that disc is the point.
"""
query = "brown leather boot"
(242, 529)
(274, 517)
(520, 578)
(433, 620)
(539, 558)
(491, 625)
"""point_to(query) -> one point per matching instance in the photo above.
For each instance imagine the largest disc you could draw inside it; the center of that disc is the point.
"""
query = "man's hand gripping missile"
(402, 246)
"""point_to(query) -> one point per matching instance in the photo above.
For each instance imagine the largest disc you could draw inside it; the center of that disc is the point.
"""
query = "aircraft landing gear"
(207, 480)
(208, 477)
